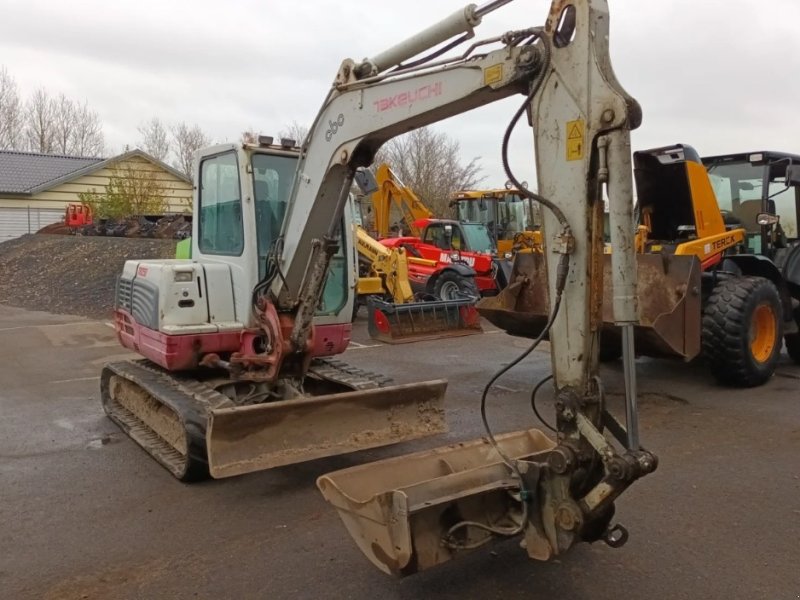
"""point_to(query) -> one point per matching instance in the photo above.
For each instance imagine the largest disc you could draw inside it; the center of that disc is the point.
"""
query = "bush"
(132, 191)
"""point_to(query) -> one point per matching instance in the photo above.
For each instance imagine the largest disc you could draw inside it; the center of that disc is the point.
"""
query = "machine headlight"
(183, 276)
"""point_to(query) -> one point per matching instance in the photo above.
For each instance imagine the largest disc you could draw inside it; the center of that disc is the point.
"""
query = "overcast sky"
(721, 75)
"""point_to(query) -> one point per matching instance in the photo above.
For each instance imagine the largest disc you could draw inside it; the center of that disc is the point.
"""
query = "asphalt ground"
(84, 513)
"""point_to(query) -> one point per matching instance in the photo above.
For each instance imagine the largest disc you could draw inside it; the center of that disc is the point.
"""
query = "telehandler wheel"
(742, 330)
(452, 286)
(793, 346)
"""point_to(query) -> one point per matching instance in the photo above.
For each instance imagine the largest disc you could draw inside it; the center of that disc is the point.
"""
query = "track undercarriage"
(206, 423)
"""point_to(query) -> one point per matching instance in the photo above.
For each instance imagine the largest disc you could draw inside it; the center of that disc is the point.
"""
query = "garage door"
(15, 222)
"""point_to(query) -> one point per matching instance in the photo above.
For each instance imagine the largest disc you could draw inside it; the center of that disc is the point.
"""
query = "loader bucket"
(251, 438)
(416, 321)
(668, 288)
(399, 510)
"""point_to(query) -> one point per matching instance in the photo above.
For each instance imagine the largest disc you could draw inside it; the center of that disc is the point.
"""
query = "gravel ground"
(72, 275)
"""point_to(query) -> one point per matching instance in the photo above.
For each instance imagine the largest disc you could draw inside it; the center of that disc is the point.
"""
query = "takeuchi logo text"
(409, 97)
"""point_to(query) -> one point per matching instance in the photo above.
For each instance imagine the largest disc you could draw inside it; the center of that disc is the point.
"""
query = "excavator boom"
(414, 512)
(391, 193)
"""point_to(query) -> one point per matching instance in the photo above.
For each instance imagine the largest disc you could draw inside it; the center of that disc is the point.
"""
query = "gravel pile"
(72, 275)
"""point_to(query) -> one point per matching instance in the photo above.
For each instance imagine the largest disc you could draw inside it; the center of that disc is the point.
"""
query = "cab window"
(221, 228)
(435, 235)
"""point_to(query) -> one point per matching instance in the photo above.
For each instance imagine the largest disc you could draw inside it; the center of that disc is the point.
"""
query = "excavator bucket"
(416, 321)
(399, 511)
(243, 439)
(668, 288)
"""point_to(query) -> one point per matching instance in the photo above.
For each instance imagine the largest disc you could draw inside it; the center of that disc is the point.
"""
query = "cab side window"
(221, 228)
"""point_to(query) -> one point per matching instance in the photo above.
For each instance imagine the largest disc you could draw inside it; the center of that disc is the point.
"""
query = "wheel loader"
(720, 235)
(231, 336)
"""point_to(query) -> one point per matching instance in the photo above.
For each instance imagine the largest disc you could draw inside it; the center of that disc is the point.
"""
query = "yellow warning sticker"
(575, 135)
(493, 74)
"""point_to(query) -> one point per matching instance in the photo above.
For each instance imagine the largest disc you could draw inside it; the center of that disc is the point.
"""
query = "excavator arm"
(392, 192)
(414, 512)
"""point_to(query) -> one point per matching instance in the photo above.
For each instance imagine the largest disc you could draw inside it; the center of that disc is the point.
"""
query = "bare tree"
(430, 163)
(86, 138)
(188, 140)
(249, 136)
(63, 123)
(155, 139)
(10, 113)
(39, 122)
(294, 131)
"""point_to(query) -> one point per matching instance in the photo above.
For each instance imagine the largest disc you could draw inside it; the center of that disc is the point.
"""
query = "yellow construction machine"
(395, 313)
(710, 228)
(392, 196)
(511, 217)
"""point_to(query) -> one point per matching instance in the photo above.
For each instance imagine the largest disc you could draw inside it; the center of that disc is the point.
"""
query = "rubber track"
(187, 398)
(341, 372)
(725, 332)
(190, 400)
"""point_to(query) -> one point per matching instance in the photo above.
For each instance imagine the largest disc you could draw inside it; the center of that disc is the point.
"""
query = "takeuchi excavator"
(232, 342)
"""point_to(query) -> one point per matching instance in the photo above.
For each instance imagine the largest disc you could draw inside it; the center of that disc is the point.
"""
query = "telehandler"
(231, 335)
(399, 313)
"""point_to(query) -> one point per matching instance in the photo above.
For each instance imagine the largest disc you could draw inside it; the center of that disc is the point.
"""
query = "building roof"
(28, 173)
(22, 172)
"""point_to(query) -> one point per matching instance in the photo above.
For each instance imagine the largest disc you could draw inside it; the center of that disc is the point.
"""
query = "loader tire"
(742, 331)
(452, 286)
(793, 347)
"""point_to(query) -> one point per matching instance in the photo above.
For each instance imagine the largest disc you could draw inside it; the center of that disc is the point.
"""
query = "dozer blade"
(251, 438)
(668, 288)
(399, 510)
(416, 321)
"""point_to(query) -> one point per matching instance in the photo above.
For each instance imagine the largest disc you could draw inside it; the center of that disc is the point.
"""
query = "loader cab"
(241, 198)
(674, 198)
(505, 213)
(759, 192)
(447, 234)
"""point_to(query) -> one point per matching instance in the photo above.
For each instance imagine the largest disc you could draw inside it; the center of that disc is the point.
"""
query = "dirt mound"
(70, 274)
